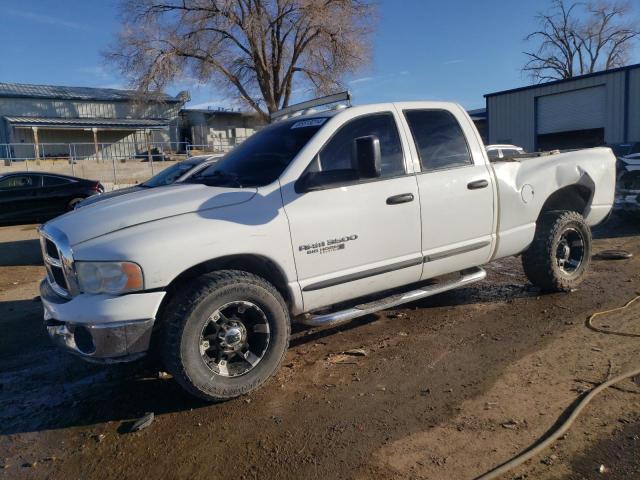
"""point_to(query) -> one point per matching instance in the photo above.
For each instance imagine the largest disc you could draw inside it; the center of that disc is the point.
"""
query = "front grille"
(58, 277)
(54, 263)
(51, 249)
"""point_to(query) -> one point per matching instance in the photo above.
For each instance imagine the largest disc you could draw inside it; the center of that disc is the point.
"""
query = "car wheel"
(225, 334)
(73, 203)
(560, 254)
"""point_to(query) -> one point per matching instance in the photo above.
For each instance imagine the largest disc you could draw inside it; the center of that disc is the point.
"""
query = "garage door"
(576, 110)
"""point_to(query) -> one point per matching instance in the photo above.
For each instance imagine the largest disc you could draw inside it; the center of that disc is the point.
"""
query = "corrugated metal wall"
(49, 108)
(634, 105)
(512, 116)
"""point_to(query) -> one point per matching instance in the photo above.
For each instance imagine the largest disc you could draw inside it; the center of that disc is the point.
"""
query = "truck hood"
(144, 206)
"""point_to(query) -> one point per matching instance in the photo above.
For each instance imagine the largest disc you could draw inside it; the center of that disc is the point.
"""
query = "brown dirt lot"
(449, 387)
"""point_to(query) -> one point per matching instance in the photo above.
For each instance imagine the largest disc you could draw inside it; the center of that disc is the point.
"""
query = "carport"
(56, 137)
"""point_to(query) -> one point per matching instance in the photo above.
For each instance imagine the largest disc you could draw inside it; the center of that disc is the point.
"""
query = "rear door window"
(50, 181)
(439, 139)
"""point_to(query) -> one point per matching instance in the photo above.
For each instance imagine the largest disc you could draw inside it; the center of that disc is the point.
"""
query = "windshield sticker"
(312, 122)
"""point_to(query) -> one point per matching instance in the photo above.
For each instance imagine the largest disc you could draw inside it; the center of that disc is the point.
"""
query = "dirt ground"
(449, 387)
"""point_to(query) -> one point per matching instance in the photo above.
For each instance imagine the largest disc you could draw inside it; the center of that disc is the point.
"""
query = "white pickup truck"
(318, 218)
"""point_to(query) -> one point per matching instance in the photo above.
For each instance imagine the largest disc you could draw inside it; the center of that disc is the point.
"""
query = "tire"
(199, 350)
(547, 262)
(72, 204)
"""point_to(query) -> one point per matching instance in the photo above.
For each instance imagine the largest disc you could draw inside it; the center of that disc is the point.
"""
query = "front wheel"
(559, 256)
(225, 334)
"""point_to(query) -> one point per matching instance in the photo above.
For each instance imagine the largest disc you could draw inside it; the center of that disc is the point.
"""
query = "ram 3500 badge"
(313, 219)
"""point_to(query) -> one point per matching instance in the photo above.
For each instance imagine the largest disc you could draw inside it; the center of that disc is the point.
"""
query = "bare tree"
(578, 38)
(257, 51)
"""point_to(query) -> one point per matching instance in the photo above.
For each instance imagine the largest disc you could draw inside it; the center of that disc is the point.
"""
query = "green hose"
(562, 429)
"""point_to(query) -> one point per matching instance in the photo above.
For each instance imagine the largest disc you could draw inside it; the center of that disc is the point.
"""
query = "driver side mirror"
(366, 157)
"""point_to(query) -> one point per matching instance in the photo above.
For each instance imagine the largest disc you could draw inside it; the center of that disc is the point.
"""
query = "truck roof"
(312, 112)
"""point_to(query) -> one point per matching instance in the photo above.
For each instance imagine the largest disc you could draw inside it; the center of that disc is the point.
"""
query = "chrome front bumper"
(122, 342)
(101, 328)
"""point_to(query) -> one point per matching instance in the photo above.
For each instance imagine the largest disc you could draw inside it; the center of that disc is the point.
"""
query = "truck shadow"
(618, 226)
(484, 293)
(47, 389)
(20, 253)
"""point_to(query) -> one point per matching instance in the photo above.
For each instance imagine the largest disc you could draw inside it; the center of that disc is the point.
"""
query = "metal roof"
(131, 123)
(555, 82)
(478, 114)
(76, 93)
(211, 111)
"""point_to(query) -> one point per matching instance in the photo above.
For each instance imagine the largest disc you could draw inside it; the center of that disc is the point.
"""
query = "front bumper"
(101, 328)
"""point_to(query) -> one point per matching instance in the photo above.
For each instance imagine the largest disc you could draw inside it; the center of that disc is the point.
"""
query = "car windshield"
(261, 158)
(169, 175)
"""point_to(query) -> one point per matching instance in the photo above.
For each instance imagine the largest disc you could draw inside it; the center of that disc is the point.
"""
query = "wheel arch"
(259, 265)
(576, 197)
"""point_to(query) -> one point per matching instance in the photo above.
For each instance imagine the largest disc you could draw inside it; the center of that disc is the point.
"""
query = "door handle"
(477, 184)
(402, 198)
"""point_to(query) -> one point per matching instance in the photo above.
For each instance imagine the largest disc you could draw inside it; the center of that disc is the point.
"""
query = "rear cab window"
(510, 152)
(439, 140)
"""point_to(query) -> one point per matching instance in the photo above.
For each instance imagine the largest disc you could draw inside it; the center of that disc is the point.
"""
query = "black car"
(38, 196)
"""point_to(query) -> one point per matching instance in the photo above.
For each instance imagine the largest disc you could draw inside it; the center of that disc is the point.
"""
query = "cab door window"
(337, 154)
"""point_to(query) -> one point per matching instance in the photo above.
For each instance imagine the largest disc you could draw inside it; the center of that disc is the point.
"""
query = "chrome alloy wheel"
(234, 339)
(570, 251)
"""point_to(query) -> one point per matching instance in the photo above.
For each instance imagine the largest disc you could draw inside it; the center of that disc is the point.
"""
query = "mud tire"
(190, 309)
(540, 261)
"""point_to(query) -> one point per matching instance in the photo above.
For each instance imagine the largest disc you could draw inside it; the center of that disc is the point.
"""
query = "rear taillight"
(98, 188)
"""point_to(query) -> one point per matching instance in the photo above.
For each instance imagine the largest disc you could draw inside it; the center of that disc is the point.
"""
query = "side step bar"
(466, 277)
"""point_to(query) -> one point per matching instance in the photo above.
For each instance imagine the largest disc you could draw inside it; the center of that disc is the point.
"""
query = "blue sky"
(423, 49)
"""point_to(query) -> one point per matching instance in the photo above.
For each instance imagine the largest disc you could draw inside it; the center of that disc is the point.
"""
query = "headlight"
(109, 277)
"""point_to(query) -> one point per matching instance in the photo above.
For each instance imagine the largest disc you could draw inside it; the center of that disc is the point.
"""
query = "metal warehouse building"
(43, 121)
(585, 111)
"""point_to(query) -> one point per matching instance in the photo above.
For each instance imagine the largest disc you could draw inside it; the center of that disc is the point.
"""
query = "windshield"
(261, 158)
(169, 175)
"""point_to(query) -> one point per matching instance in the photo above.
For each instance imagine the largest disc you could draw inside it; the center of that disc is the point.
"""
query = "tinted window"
(20, 181)
(54, 181)
(509, 152)
(337, 154)
(493, 154)
(261, 158)
(439, 139)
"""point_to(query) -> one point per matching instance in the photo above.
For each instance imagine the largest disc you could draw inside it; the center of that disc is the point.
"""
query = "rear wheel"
(560, 254)
(73, 203)
(225, 335)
